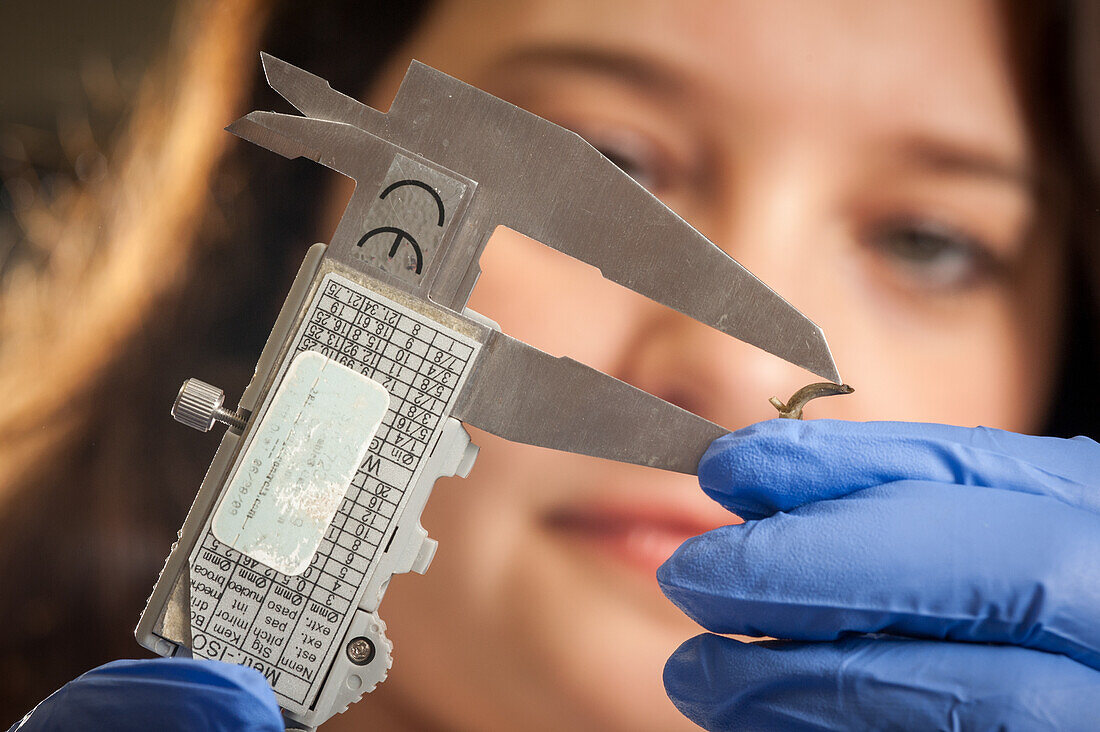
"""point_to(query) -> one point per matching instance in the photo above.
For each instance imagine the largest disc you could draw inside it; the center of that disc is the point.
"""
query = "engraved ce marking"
(399, 234)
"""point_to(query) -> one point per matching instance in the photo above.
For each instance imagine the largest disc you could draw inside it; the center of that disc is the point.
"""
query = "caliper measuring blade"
(526, 395)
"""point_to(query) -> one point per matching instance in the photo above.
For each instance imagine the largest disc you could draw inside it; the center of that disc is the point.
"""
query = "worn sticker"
(289, 628)
(300, 462)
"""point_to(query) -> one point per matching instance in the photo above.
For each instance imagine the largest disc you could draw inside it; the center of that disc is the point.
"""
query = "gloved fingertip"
(666, 580)
(689, 679)
(701, 578)
(680, 565)
(739, 470)
(723, 683)
(696, 666)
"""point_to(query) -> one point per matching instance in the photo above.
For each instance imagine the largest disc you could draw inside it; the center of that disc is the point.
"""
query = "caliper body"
(313, 499)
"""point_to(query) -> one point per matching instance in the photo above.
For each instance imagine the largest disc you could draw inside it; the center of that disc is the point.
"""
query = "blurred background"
(133, 257)
(68, 70)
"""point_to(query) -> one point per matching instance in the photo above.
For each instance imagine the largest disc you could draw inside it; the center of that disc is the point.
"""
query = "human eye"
(631, 152)
(932, 256)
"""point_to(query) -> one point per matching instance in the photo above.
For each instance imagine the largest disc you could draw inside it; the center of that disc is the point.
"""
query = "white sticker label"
(299, 463)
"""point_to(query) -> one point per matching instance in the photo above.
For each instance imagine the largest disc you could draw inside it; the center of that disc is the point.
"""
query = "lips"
(639, 536)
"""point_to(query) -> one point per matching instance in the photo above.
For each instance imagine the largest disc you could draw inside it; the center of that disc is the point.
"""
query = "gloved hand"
(977, 551)
(163, 695)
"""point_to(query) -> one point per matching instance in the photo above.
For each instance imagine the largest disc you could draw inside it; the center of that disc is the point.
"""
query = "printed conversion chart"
(286, 626)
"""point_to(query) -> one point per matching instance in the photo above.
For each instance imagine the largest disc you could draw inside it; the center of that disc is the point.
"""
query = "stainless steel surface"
(408, 220)
(177, 613)
(375, 165)
(199, 405)
(547, 183)
(525, 395)
(490, 163)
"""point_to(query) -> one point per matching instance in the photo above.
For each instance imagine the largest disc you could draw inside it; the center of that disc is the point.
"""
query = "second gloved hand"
(163, 695)
(920, 577)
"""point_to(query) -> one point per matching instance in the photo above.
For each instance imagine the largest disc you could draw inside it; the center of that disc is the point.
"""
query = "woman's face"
(867, 160)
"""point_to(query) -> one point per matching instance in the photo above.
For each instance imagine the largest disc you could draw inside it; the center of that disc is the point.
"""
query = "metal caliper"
(314, 497)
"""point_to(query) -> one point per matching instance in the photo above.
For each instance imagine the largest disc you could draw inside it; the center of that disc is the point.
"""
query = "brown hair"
(175, 267)
(61, 326)
(1053, 46)
(72, 337)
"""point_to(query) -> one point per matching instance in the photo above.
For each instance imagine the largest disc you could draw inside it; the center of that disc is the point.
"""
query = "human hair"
(1054, 49)
(176, 265)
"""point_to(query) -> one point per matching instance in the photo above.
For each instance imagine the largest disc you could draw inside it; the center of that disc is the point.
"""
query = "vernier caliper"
(314, 497)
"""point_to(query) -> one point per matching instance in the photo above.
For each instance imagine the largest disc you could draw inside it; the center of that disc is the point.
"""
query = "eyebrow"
(927, 152)
(622, 65)
(943, 157)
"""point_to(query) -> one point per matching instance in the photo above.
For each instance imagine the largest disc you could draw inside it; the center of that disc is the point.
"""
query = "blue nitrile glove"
(977, 551)
(162, 695)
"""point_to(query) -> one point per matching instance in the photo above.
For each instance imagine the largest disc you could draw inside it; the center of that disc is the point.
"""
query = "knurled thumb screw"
(199, 405)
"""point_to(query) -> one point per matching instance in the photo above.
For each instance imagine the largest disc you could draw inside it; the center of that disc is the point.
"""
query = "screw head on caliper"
(361, 651)
(199, 406)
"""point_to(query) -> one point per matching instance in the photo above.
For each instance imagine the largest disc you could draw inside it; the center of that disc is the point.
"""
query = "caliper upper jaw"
(548, 183)
(401, 222)
(314, 97)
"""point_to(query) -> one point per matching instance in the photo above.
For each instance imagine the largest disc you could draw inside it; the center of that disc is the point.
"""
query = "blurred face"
(867, 160)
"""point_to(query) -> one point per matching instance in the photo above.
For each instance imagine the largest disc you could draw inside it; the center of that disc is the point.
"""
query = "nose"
(703, 370)
(706, 372)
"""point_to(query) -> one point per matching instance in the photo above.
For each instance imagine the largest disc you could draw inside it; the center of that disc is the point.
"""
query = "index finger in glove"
(909, 558)
(782, 464)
